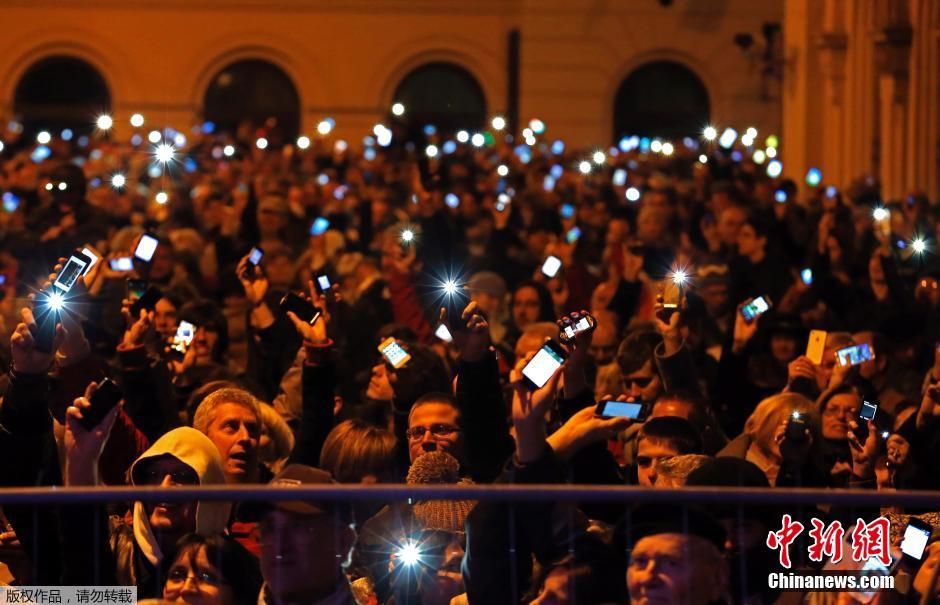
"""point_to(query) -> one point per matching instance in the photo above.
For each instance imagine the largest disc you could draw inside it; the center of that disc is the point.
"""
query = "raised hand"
(317, 332)
(26, 358)
(83, 447)
(253, 281)
(585, 428)
(529, 408)
(863, 454)
(743, 331)
(139, 328)
(471, 332)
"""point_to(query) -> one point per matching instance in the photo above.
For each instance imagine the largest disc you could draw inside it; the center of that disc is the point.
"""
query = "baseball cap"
(294, 475)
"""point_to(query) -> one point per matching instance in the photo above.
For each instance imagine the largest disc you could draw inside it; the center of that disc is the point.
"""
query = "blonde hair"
(677, 468)
(205, 413)
(762, 424)
(354, 449)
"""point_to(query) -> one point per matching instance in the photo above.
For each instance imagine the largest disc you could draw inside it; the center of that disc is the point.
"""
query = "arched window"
(661, 99)
(441, 94)
(61, 92)
(256, 91)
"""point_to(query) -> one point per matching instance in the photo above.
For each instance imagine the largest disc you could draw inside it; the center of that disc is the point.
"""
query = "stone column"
(892, 58)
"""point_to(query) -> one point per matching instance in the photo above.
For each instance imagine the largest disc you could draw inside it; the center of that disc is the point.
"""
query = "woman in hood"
(183, 456)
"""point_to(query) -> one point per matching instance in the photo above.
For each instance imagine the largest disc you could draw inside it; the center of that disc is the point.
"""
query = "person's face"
(748, 242)
(194, 580)
(488, 303)
(834, 249)
(169, 517)
(204, 342)
(643, 384)
(270, 223)
(280, 271)
(649, 453)
(835, 417)
(444, 580)
(716, 299)
(165, 318)
(555, 590)
(928, 290)
(214, 214)
(236, 432)
(428, 419)
(299, 555)
(650, 227)
(380, 386)
(824, 371)
(729, 224)
(559, 292)
(525, 307)
(618, 231)
(876, 272)
(161, 265)
(662, 571)
(603, 344)
(784, 348)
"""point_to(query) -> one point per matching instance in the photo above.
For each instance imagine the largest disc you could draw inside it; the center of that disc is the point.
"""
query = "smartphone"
(394, 353)
(254, 257)
(807, 276)
(443, 333)
(916, 535)
(816, 346)
(634, 410)
(73, 269)
(147, 300)
(123, 264)
(319, 226)
(92, 259)
(865, 414)
(548, 359)
(146, 248)
(573, 235)
(185, 333)
(106, 396)
(567, 210)
(301, 307)
(755, 308)
(551, 266)
(796, 427)
(571, 327)
(46, 316)
(854, 355)
(620, 177)
(134, 289)
(323, 283)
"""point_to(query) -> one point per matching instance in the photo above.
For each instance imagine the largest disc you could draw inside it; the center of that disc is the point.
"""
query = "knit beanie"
(437, 468)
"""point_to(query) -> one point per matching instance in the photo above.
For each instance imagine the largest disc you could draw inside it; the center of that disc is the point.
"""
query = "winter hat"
(439, 468)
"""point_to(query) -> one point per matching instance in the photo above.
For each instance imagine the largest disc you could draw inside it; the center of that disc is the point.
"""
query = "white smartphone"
(73, 269)
(146, 248)
(551, 266)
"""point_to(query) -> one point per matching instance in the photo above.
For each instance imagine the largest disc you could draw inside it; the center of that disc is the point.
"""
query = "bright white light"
(771, 152)
(527, 133)
(43, 137)
(502, 170)
(774, 169)
(56, 301)
(759, 157)
(880, 214)
(477, 140)
(409, 554)
(49, 187)
(431, 151)
(398, 109)
(261, 143)
(324, 127)
(633, 194)
(656, 146)
(463, 136)
(709, 133)
(498, 123)
(679, 277)
(584, 167)
(165, 153)
(919, 245)
(228, 151)
(703, 159)
(340, 146)
(1, 145)
(530, 141)
(137, 120)
(537, 126)
(599, 157)
(795, 415)
(728, 137)
(162, 197)
(154, 136)
(180, 139)
(751, 133)
(63, 186)
(450, 287)
(118, 181)
(104, 122)
(503, 198)
(384, 137)
(747, 141)
(668, 149)
(303, 142)
(407, 235)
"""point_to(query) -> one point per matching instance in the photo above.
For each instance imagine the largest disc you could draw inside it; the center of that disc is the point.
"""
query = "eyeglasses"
(155, 476)
(437, 430)
(179, 575)
(641, 382)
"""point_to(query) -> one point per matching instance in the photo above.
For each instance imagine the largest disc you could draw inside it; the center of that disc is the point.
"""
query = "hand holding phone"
(102, 401)
(179, 345)
(754, 308)
(301, 307)
(634, 410)
(543, 365)
(796, 427)
(916, 536)
(394, 353)
(551, 266)
(573, 325)
(855, 355)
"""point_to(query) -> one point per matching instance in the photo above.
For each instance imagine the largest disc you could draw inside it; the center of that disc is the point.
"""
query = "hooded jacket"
(135, 547)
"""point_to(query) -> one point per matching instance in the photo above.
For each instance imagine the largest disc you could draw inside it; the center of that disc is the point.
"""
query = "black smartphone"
(541, 367)
(148, 300)
(134, 289)
(46, 314)
(796, 428)
(634, 410)
(865, 414)
(103, 401)
(572, 326)
(916, 535)
(302, 308)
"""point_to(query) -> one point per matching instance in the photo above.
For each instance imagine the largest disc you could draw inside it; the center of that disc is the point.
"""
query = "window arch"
(443, 94)
(661, 99)
(256, 91)
(61, 92)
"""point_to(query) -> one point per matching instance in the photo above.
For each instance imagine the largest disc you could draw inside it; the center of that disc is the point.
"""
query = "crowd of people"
(389, 332)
